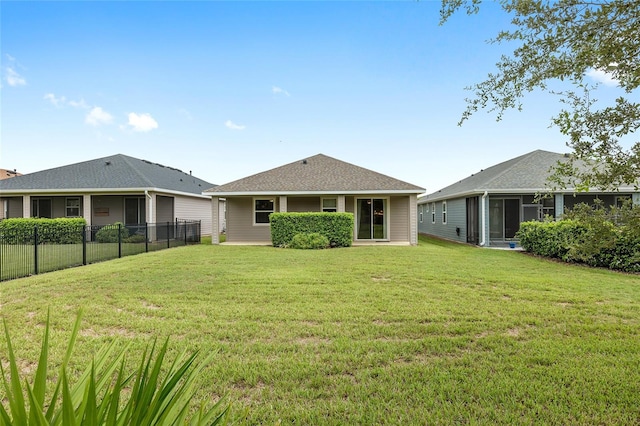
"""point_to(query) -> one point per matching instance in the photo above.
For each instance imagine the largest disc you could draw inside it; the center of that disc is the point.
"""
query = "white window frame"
(421, 212)
(272, 200)
(433, 212)
(67, 207)
(326, 209)
(444, 212)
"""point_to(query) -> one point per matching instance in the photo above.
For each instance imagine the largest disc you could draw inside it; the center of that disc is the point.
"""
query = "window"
(262, 209)
(444, 212)
(622, 199)
(72, 207)
(329, 205)
(41, 207)
(433, 212)
(421, 212)
(134, 211)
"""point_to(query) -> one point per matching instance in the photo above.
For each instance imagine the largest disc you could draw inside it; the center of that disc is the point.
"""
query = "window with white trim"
(330, 205)
(262, 208)
(433, 212)
(72, 207)
(421, 211)
(444, 212)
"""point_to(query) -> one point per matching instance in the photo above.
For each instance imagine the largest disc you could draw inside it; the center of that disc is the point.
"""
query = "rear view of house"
(106, 190)
(384, 208)
(487, 208)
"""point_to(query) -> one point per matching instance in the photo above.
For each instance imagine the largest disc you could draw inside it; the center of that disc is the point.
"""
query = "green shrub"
(593, 235)
(109, 233)
(336, 227)
(50, 231)
(135, 238)
(311, 241)
(106, 394)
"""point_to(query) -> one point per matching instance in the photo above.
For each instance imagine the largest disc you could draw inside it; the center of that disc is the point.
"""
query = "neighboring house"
(7, 174)
(384, 208)
(487, 208)
(108, 190)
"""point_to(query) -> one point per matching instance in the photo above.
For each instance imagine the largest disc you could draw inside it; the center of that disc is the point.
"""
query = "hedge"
(336, 227)
(50, 231)
(599, 243)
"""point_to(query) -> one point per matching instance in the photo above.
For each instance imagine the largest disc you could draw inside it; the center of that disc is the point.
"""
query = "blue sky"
(229, 89)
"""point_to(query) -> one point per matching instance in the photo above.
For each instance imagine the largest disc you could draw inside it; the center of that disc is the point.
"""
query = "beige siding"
(349, 204)
(115, 206)
(303, 204)
(164, 209)
(399, 219)
(14, 207)
(240, 225)
(194, 209)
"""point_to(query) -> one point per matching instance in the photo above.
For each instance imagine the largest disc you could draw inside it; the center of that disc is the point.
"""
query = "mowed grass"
(435, 334)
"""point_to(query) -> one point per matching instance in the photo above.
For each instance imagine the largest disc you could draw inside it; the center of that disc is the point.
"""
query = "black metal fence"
(21, 255)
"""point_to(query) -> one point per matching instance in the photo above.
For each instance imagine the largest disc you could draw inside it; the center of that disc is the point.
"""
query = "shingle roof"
(118, 172)
(526, 172)
(319, 173)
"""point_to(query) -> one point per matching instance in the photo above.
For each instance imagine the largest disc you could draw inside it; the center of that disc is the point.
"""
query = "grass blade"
(14, 389)
(40, 381)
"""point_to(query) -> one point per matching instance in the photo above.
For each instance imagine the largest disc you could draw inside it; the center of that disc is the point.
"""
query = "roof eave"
(332, 192)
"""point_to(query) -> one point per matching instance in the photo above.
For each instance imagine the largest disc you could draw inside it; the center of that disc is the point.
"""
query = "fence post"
(84, 245)
(168, 229)
(184, 224)
(146, 237)
(35, 249)
(119, 240)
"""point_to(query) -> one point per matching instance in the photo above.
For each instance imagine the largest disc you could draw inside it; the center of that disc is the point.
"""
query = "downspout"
(146, 193)
(482, 232)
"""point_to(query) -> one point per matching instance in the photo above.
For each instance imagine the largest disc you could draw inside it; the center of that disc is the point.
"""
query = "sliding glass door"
(372, 219)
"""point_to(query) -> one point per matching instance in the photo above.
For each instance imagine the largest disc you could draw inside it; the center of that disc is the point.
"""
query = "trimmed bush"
(50, 231)
(595, 236)
(109, 233)
(312, 241)
(336, 227)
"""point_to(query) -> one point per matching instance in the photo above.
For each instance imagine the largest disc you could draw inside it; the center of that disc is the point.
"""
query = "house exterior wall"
(195, 209)
(456, 218)
(303, 204)
(107, 209)
(13, 207)
(399, 219)
(164, 209)
(240, 227)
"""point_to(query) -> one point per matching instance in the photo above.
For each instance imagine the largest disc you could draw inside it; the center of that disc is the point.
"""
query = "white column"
(26, 206)
(86, 208)
(283, 203)
(341, 204)
(413, 219)
(215, 218)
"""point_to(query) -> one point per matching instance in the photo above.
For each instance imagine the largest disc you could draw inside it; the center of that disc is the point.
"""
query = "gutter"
(146, 193)
(482, 233)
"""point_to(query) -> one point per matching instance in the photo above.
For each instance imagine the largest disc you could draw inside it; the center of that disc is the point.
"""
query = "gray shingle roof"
(319, 173)
(119, 172)
(527, 172)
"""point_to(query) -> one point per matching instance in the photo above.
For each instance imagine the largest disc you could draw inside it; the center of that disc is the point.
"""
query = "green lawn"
(434, 334)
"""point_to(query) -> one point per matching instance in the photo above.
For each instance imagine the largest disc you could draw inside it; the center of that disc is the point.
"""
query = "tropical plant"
(96, 397)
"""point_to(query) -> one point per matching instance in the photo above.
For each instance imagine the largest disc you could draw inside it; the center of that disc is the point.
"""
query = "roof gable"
(118, 172)
(319, 173)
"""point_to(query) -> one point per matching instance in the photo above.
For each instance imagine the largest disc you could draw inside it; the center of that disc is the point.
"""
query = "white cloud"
(233, 126)
(604, 77)
(279, 91)
(57, 102)
(142, 122)
(79, 104)
(98, 116)
(14, 79)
